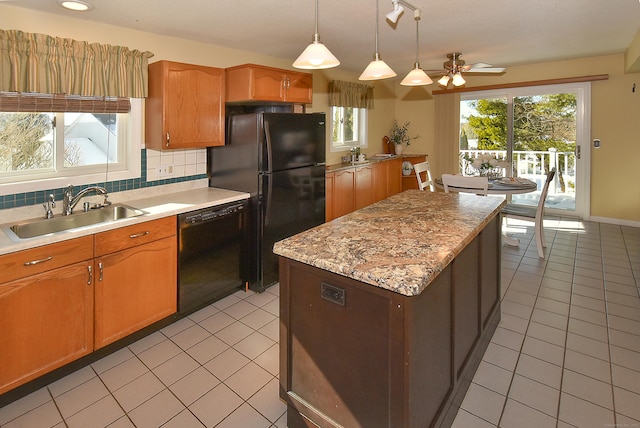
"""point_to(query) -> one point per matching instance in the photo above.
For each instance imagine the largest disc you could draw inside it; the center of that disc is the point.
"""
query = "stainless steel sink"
(40, 226)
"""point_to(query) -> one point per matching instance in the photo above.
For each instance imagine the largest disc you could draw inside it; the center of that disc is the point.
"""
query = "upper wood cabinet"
(185, 107)
(250, 82)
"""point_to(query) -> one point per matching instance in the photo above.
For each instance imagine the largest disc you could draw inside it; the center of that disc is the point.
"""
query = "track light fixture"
(396, 12)
(316, 55)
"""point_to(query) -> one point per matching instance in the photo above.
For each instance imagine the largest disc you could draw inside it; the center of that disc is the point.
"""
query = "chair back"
(543, 194)
(420, 168)
(464, 184)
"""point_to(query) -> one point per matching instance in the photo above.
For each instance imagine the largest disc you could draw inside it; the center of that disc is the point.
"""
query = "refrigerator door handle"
(266, 197)
(267, 135)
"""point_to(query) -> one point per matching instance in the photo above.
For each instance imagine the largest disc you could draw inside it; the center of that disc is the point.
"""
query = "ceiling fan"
(454, 67)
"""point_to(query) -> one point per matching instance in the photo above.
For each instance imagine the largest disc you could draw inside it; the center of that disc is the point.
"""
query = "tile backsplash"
(157, 169)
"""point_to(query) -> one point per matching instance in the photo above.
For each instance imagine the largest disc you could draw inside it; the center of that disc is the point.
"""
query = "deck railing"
(534, 165)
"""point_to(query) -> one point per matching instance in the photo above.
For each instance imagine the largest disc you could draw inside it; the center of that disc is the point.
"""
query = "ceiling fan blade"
(486, 70)
(436, 72)
(480, 65)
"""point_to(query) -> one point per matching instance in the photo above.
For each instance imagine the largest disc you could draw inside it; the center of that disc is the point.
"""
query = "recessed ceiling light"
(77, 5)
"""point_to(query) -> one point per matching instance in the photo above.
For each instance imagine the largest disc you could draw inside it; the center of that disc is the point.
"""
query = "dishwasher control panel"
(210, 213)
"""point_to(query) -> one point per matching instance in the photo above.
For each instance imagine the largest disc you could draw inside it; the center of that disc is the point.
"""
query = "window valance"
(348, 94)
(31, 62)
(49, 103)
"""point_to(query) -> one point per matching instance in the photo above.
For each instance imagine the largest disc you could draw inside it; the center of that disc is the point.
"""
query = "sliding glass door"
(536, 129)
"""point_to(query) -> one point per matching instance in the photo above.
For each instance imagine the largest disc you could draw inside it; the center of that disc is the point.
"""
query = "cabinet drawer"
(137, 234)
(40, 259)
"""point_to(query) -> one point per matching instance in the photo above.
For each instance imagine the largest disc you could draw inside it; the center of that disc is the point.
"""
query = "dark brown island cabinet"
(386, 312)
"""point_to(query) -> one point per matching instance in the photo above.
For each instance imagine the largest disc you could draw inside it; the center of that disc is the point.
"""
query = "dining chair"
(419, 168)
(465, 184)
(532, 213)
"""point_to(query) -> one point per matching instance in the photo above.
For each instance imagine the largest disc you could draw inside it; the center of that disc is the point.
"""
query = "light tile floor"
(566, 352)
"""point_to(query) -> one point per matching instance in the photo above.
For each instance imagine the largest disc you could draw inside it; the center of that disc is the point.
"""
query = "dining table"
(500, 186)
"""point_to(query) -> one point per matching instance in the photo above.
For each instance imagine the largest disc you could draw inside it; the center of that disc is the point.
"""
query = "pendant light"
(417, 76)
(316, 55)
(377, 69)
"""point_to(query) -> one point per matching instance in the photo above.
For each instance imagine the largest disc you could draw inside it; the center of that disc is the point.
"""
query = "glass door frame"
(582, 91)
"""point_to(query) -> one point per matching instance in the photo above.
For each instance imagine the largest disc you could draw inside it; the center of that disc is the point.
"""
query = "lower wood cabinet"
(363, 186)
(46, 318)
(62, 301)
(353, 188)
(136, 278)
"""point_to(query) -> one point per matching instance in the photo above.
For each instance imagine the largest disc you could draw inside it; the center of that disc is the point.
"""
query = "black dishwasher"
(212, 246)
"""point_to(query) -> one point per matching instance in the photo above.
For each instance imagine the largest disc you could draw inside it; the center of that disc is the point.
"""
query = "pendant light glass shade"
(417, 76)
(377, 69)
(316, 55)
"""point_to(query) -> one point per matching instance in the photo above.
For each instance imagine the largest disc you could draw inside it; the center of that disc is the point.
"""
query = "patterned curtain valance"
(348, 94)
(31, 62)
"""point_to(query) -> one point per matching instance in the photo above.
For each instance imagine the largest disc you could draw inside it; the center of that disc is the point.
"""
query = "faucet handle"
(106, 201)
(51, 203)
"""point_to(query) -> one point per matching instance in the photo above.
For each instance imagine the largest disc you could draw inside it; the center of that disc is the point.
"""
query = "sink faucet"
(69, 201)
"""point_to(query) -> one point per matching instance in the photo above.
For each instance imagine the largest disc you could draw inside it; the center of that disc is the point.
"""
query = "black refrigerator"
(279, 159)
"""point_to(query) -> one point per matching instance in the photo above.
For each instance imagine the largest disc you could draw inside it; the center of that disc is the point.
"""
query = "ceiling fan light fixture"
(444, 80)
(458, 80)
(316, 55)
(75, 5)
(377, 70)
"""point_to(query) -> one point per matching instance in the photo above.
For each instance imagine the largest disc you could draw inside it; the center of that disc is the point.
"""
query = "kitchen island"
(385, 313)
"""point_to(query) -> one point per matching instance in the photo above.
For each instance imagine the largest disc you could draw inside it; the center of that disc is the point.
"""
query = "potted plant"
(399, 136)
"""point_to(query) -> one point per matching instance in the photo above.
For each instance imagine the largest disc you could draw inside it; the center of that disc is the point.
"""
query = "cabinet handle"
(101, 271)
(168, 140)
(35, 262)
(138, 235)
(90, 269)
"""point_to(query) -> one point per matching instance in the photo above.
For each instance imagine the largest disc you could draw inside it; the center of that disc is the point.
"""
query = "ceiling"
(497, 32)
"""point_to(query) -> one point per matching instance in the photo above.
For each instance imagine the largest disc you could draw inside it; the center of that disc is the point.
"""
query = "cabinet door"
(252, 82)
(329, 186)
(379, 179)
(363, 186)
(394, 177)
(299, 88)
(185, 107)
(344, 195)
(47, 322)
(134, 288)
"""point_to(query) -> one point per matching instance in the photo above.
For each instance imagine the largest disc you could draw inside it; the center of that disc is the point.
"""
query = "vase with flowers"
(399, 136)
(487, 165)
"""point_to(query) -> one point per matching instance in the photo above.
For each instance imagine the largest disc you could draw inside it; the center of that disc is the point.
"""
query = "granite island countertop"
(400, 244)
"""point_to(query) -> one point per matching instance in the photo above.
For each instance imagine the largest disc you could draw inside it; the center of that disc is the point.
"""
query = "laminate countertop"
(154, 207)
(400, 244)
